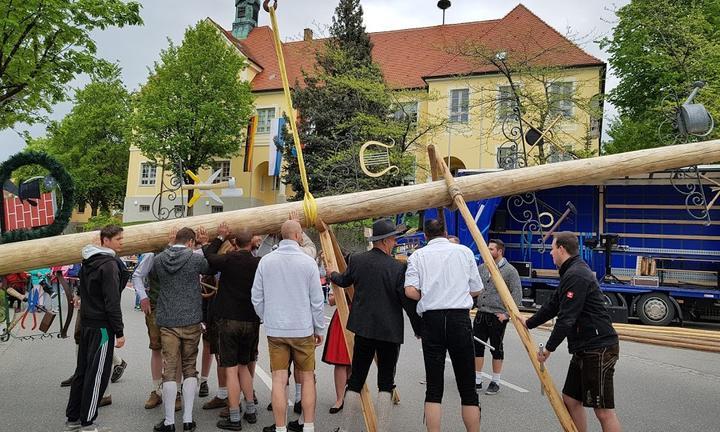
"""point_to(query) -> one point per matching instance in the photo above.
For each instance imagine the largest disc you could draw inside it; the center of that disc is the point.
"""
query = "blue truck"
(653, 241)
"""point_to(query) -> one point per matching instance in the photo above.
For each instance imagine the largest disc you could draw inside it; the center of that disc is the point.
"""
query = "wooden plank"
(634, 235)
(530, 347)
(652, 207)
(661, 221)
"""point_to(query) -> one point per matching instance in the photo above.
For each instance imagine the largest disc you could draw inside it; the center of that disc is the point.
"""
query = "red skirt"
(335, 351)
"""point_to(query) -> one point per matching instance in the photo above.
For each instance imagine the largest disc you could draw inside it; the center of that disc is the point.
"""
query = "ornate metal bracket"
(169, 203)
(696, 203)
(524, 209)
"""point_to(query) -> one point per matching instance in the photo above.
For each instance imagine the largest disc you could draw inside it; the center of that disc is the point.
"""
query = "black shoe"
(493, 388)
(478, 386)
(297, 408)
(118, 372)
(67, 382)
(294, 426)
(204, 391)
(254, 398)
(269, 408)
(270, 428)
(228, 425)
(250, 417)
(162, 427)
(189, 427)
(335, 410)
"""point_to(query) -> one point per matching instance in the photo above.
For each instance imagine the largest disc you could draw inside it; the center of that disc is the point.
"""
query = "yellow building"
(454, 69)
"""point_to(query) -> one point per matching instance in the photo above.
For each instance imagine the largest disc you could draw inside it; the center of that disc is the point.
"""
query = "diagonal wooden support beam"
(530, 346)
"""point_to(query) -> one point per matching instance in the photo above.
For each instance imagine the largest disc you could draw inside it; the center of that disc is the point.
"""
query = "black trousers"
(449, 331)
(92, 373)
(488, 326)
(363, 354)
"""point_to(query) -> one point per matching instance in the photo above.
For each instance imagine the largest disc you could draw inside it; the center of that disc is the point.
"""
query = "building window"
(148, 174)
(560, 97)
(216, 209)
(144, 208)
(459, 105)
(560, 155)
(81, 207)
(265, 118)
(506, 102)
(407, 112)
(224, 174)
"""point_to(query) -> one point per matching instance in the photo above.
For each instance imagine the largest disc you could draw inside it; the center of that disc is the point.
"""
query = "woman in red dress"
(335, 353)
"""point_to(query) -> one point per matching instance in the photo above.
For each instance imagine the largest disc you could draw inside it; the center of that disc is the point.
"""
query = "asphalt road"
(657, 389)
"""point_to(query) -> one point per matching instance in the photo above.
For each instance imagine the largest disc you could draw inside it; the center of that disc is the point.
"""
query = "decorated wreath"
(63, 181)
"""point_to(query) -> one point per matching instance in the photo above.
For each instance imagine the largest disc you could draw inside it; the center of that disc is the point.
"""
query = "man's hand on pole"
(119, 342)
(145, 306)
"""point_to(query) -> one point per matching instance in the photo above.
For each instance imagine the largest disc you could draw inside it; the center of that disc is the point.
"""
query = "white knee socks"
(169, 391)
(189, 389)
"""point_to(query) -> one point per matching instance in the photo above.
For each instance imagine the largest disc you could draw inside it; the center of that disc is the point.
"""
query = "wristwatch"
(221, 238)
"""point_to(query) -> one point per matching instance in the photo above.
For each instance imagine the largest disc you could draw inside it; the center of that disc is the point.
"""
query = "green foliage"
(657, 50)
(45, 44)
(193, 106)
(344, 104)
(91, 141)
(101, 220)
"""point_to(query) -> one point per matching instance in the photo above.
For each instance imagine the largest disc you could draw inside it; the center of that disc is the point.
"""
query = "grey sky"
(136, 48)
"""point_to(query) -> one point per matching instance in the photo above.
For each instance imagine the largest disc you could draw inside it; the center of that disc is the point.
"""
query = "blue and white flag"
(277, 143)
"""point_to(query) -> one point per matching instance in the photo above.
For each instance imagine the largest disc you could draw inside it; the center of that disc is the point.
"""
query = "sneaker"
(493, 388)
(105, 401)
(295, 426)
(226, 424)
(270, 428)
(94, 428)
(67, 382)
(71, 426)
(204, 391)
(269, 408)
(297, 408)
(189, 427)
(215, 403)
(153, 400)
(162, 427)
(118, 372)
(250, 417)
(478, 385)
(178, 402)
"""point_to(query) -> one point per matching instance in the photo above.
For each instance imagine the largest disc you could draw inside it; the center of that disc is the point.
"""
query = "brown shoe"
(154, 400)
(105, 401)
(215, 403)
(178, 403)
(225, 412)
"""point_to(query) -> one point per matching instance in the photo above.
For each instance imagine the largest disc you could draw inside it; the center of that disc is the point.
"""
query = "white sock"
(301, 419)
(203, 379)
(190, 386)
(116, 360)
(496, 378)
(478, 377)
(298, 392)
(169, 390)
(281, 429)
(309, 427)
(157, 385)
(222, 393)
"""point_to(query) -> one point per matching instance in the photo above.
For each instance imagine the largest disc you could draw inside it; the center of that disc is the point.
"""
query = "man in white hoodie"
(288, 298)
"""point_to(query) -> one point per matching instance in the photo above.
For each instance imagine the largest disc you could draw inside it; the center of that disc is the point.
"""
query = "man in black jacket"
(376, 319)
(102, 279)
(583, 318)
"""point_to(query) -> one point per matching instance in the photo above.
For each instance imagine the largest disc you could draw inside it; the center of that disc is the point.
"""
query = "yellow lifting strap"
(309, 205)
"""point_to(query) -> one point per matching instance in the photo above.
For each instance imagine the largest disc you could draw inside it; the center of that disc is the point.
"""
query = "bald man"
(288, 298)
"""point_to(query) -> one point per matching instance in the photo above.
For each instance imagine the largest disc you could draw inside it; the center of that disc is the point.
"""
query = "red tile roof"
(409, 56)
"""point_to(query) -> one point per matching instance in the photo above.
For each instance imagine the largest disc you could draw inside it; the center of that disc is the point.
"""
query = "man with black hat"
(376, 319)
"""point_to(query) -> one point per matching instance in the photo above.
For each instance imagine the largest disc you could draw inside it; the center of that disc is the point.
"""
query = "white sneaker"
(72, 426)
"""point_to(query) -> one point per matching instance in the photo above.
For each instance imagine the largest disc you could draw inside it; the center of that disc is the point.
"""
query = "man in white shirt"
(288, 298)
(444, 277)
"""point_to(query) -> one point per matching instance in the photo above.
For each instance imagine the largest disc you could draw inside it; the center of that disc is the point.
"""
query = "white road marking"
(265, 378)
(503, 382)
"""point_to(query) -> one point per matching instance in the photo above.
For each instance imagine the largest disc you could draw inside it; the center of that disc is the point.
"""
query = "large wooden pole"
(545, 380)
(143, 238)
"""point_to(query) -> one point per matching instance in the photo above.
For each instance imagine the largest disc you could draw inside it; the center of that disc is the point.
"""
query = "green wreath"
(64, 181)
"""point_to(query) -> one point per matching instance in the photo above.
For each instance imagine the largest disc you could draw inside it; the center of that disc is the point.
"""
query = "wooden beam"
(653, 207)
(530, 347)
(66, 249)
(660, 221)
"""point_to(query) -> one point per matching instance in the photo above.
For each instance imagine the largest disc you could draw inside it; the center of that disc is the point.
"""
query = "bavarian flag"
(276, 146)
(250, 143)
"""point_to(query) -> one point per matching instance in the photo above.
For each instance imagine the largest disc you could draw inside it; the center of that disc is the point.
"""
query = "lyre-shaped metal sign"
(379, 158)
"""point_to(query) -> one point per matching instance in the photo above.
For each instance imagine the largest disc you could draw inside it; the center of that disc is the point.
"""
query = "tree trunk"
(142, 238)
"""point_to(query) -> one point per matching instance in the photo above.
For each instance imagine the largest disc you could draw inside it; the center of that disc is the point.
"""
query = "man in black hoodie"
(583, 318)
(102, 279)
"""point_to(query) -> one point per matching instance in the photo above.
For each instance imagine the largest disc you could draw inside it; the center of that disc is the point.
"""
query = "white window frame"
(455, 117)
(213, 209)
(505, 107)
(264, 126)
(402, 112)
(225, 165)
(148, 181)
(565, 105)
(144, 208)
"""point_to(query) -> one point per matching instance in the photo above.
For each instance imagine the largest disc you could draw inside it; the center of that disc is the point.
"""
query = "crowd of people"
(221, 292)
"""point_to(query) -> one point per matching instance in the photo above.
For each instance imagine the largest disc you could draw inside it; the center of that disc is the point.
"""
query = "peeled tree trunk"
(66, 249)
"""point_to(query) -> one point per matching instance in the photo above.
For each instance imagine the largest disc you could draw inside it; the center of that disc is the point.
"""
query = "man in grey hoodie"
(176, 271)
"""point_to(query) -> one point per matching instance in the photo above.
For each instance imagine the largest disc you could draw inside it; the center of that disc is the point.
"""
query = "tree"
(344, 103)
(91, 142)
(44, 44)
(194, 106)
(657, 50)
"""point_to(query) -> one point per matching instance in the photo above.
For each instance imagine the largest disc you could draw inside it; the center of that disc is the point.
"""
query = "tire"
(655, 309)
(611, 299)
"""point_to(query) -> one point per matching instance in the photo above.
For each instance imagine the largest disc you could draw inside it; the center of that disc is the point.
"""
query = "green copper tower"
(246, 17)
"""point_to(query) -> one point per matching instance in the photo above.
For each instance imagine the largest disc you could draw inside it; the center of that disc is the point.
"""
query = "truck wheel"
(655, 309)
(611, 299)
